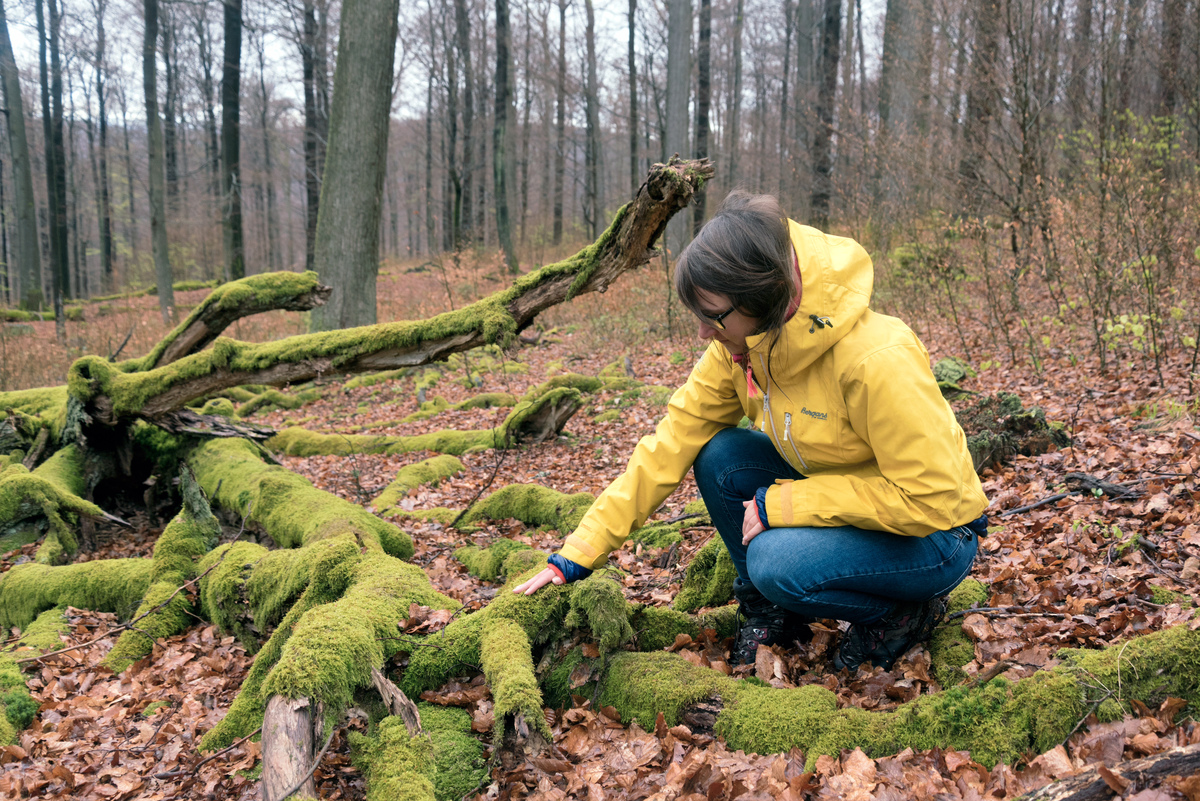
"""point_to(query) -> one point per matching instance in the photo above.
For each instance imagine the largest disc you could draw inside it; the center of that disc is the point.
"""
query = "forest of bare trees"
(524, 124)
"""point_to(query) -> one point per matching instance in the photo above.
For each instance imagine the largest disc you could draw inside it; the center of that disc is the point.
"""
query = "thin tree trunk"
(1081, 52)
(560, 127)
(594, 187)
(212, 145)
(105, 221)
(789, 25)
(170, 107)
(158, 211)
(268, 167)
(735, 103)
(501, 140)
(28, 251)
(831, 48)
(703, 99)
(980, 105)
(462, 32)
(131, 232)
(430, 223)
(51, 75)
(525, 136)
(312, 161)
(634, 172)
(231, 145)
(679, 70)
(348, 229)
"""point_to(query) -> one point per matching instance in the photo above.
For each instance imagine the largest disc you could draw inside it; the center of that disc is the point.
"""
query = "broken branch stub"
(111, 394)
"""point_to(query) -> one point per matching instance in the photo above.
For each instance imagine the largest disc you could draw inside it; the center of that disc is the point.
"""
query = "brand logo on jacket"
(815, 415)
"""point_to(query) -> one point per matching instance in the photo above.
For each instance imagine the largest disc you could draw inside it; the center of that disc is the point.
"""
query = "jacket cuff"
(570, 571)
(777, 502)
(760, 500)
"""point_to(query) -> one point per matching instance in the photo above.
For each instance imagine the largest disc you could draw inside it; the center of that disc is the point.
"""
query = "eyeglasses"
(718, 321)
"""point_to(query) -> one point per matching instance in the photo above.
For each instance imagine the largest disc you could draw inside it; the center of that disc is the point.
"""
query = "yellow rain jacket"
(852, 405)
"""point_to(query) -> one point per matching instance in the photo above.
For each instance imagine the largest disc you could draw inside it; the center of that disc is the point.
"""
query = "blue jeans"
(841, 572)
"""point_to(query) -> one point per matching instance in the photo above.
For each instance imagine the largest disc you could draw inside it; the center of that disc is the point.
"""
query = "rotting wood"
(1090, 785)
(399, 703)
(287, 748)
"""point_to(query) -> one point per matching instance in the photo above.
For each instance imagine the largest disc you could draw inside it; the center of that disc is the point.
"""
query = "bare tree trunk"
(158, 212)
(831, 48)
(1133, 35)
(268, 166)
(703, 99)
(212, 146)
(1081, 47)
(430, 222)
(131, 232)
(28, 251)
(51, 75)
(462, 32)
(525, 133)
(105, 219)
(635, 177)
(980, 105)
(679, 71)
(312, 129)
(560, 127)
(171, 108)
(735, 102)
(231, 144)
(501, 141)
(594, 187)
(348, 229)
(1168, 64)
(789, 25)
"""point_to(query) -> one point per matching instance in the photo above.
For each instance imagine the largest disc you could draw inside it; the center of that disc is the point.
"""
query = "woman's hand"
(751, 525)
(534, 584)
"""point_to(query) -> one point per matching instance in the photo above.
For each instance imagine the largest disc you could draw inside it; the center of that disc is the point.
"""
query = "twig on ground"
(174, 774)
(1004, 611)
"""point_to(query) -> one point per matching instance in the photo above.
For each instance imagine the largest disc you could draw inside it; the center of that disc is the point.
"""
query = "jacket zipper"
(787, 424)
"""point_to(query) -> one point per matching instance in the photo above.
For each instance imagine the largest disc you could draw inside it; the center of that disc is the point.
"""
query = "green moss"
(607, 417)
(43, 407)
(457, 756)
(371, 379)
(1161, 595)
(287, 505)
(507, 662)
(398, 767)
(45, 632)
(755, 719)
(106, 585)
(949, 647)
(583, 383)
(455, 649)
(556, 685)
(299, 442)
(709, 580)
(274, 399)
(429, 471)
(533, 505)
(154, 706)
(51, 492)
(655, 628)
(335, 645)
(1149, 668)
(640, 685)
(598, 603)
(488, 563)
(17, 707)
(484, 400)
(221, 406)
(249, 295)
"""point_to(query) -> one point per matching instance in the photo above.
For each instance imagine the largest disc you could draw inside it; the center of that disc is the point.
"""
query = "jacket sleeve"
(706, 403)
(927, 483)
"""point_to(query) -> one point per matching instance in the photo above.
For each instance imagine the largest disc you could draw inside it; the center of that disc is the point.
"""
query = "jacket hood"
(836, 276)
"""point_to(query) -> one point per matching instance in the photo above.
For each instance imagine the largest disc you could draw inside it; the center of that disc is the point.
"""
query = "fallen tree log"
(1093, 785)
(111, 395)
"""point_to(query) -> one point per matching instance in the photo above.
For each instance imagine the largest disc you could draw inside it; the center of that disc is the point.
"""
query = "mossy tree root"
(104, 585)
(294, 512)
(189, 535)
(428, 471)
(1000, 721)
(528, 422)
(111, 395)
(50, 496)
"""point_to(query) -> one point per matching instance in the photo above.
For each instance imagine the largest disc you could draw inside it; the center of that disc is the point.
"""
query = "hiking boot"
(761, 622)
(885, 640)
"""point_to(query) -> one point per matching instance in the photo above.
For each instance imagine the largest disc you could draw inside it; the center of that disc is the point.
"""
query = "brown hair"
(743, 253)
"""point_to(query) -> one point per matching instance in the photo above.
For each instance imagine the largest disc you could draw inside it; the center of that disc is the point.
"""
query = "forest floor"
(1085, 572)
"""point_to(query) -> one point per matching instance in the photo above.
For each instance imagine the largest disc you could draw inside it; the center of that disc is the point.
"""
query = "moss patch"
(51, 492)
(709, 580)
(457, 756)
(507, 662)
(398, 767)
(949, 647)
(430, 471)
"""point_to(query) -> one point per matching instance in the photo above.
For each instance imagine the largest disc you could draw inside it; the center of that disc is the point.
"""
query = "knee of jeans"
(711, 458)
(767, 573)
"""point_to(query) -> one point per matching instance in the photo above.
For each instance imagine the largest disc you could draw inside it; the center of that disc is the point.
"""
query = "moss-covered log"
(998, 427)
(111, 395)
(49, 498)
(529, 422)
(228, 303)
(106, 585)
